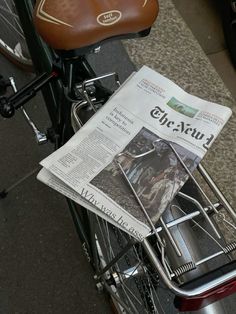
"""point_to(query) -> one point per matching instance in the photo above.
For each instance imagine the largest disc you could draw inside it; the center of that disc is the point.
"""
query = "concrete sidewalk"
(203, 17)
(172, 50)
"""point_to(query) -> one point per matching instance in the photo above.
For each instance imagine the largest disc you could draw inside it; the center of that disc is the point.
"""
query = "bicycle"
(128, 269)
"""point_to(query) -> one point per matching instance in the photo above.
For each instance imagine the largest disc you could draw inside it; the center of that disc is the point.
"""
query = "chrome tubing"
(173, 287)
(217, 192)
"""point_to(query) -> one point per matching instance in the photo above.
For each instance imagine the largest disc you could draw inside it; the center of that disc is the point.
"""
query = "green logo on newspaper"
(182, 108)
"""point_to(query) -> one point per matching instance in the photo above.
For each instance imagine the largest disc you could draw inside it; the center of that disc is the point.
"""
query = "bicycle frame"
(44, 59)
(38, 48)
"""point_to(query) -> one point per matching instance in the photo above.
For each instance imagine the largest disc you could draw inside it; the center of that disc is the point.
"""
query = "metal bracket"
(40, 137)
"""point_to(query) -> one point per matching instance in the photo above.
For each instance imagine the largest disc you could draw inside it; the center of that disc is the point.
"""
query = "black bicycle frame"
(58, 106)
(40, 53)
(44, 59)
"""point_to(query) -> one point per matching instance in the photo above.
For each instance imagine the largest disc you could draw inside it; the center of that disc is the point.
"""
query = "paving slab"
(203, 18)
(173, 51)
(222, 64)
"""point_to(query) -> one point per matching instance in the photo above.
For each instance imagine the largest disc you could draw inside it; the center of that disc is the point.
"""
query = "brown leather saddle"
(74, 24)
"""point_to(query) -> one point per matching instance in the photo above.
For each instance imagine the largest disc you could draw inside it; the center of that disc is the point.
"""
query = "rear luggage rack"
(215, 284)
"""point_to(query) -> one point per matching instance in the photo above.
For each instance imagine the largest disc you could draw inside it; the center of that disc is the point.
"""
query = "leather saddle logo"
(43, 15)
(109, 18)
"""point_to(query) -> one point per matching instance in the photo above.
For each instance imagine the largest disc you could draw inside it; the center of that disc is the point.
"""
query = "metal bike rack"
(164, 274)
(162, 269)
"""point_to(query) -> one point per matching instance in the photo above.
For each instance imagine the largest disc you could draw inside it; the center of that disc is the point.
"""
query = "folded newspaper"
(135, 151)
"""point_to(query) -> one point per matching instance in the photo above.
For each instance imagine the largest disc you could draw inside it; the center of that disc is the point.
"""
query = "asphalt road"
(43, 268)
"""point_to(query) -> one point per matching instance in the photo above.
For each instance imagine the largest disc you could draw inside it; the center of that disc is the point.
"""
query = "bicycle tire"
(12, 42)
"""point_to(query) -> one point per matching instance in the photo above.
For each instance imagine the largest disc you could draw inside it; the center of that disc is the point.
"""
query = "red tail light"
(213, 295)
(196, 303)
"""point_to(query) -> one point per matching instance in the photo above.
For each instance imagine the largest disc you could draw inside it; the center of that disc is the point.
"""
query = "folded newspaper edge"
(52, 181)
(134, 154)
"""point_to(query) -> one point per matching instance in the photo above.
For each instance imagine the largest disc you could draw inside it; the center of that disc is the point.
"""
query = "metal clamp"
(41, 138)
(91, 82)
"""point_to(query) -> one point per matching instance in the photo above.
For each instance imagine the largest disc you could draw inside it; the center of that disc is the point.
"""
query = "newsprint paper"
(148, 122)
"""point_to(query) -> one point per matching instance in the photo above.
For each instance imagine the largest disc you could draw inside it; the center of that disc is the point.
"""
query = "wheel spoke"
(135, 285)
(10, 25)
(8, 11)
(12, 36)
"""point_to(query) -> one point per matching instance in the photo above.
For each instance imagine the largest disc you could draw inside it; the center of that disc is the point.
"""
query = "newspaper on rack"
(142, 135)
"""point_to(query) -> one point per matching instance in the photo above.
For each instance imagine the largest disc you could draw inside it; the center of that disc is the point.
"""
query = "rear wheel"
(131, 282)
(12, 40)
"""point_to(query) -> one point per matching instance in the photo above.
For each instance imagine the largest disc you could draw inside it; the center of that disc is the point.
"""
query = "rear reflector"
(213, 295)
(196, 303)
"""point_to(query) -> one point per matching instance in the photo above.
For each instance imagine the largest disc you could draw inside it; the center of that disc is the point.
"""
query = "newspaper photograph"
(156, 175)
(140, 123)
